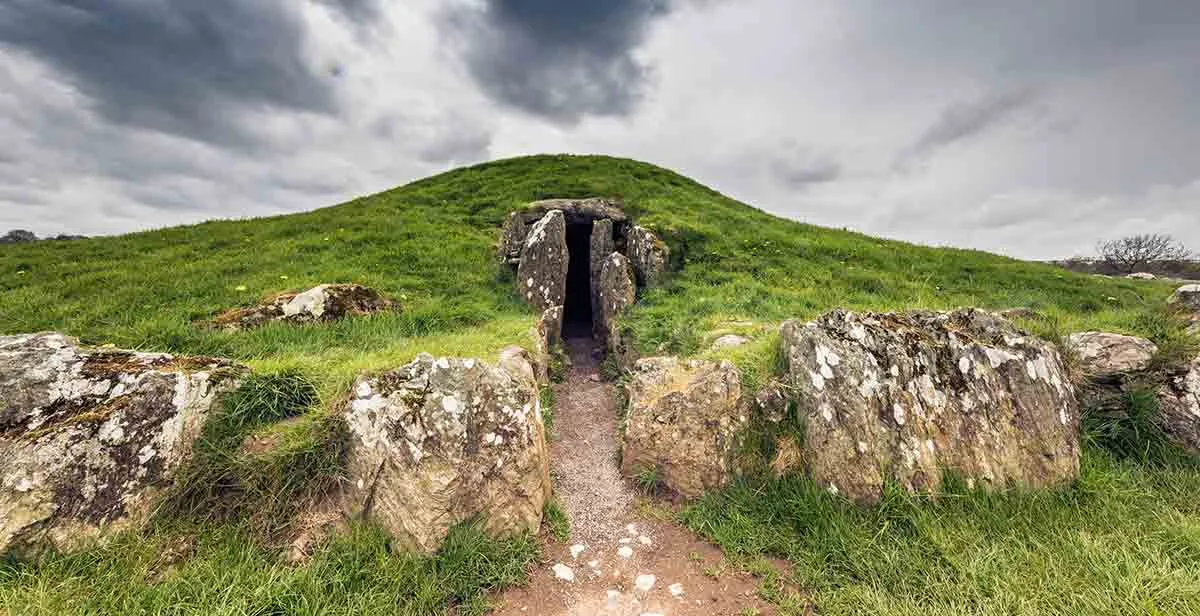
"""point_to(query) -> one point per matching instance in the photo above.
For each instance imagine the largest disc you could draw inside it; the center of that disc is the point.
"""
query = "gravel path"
(586, 478)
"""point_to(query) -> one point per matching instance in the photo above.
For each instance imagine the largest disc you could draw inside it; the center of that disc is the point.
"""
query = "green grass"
(224, 572)
(1124, 540)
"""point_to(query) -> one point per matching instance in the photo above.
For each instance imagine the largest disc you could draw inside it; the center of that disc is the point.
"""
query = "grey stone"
(1187, 298)
(512, 238)
(1141, 276)
(542, 273)
(323, 303)
(441, 441)
(650, 256)
(1102, 354)
(729, 341)
(1179, 408)
(577, 211)
(617, 292)
(905, 397)
(90, 438)
(685, 423)
(602, 244)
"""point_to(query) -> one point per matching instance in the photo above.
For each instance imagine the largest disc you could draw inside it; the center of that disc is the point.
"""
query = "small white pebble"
(595, 564)
(644, 582)
(644, 540)
(632, 529)
(564, 572)
(676, 589)
(624, 551)
(625, 540)
(577, 549)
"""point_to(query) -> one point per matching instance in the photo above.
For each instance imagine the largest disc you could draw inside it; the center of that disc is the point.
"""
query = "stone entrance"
(559, 249)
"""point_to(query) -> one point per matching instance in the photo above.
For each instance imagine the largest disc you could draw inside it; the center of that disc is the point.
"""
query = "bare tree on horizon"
(1133, 253)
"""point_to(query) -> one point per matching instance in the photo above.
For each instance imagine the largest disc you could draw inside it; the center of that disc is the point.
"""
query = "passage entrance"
(577, 308)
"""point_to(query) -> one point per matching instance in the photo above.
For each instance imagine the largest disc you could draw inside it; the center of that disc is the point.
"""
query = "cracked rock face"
(542, 273)
(440, 441)
(327, 302)
(617, 291)
(684, 424)
(1102, 354)
(1179, 408)
(649, 255)
(90, 437)
(1187, 298)
(904, 397)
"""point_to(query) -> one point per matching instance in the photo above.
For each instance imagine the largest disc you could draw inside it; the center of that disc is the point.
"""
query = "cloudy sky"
(1028, 127)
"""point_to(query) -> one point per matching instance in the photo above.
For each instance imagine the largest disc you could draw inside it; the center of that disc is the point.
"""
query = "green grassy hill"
(1125, 540)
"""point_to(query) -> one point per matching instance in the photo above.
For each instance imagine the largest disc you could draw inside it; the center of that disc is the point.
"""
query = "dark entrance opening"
(577, 309)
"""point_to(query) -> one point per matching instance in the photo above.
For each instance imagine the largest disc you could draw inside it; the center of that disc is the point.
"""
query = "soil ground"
(618, 561)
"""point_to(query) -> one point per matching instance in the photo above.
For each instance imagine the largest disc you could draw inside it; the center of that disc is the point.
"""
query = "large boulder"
(1187, 299)
(327, 302)
(906, 397)
(684, 423)
(1102, 354)
(617, 291)
(1179, 408)
(512, 238)
(441, 441)
(650, 256)
(578, 211)
(542, 273)
(89, 438)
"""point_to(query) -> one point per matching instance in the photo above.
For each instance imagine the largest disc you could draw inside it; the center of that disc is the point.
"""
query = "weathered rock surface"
(617, 292)
(89, 438)
(602, 244)
(327, 302)
(1141, 276)
(512, 238)
(1103, 354)
(684, 423)
(440, 441)
(1179, 408)
(729, 341)
(542, 273)
(578, 211)
(905, 397)
(1187, 298)
(650, 256)
(1022, 313)
(550, 327)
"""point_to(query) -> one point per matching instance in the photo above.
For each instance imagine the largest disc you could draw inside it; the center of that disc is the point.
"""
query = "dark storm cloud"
(961, 121)
(184, 67)
(798, 168)
(560, 60)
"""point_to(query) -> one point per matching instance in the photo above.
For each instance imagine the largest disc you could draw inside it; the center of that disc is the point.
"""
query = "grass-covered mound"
(1126, 539)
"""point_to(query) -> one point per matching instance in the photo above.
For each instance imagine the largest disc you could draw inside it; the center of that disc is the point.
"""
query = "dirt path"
(617, 562)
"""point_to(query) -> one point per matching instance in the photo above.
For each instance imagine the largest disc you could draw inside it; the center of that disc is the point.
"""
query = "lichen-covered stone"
(1187, 299)
(327, 302)
(549, 327)
(1141, 276)
(729, 341)
(1102, 354)
(512, 238)
(906, 397)
(649, 255)
(542, 273)
(578, 211)
(90, 437)
(1179, 408)
(684, 424)
(602, 244)
(441, 441)
(617, 292)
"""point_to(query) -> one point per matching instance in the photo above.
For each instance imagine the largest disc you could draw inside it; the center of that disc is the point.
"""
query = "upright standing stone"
(1179, 408)
(602, 245)
(649, 256)
(442, 441)
(512, 239)
(542, 274)
(617, 293)
(907, 397)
